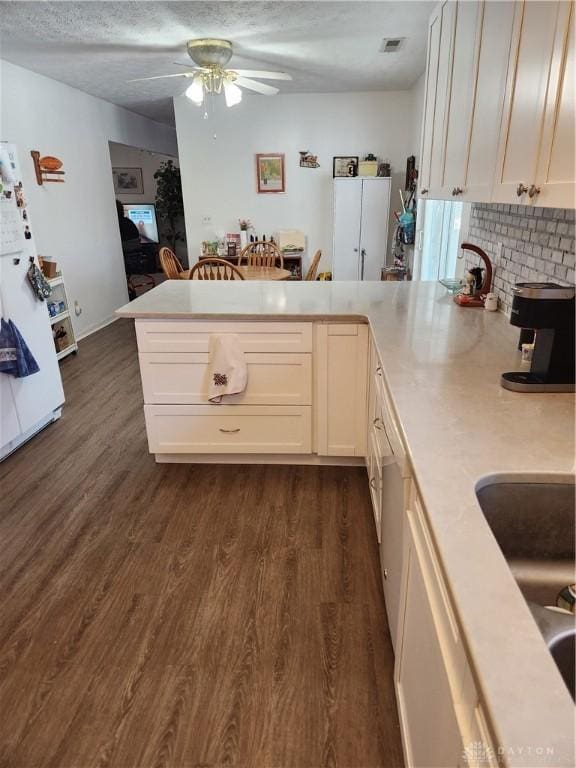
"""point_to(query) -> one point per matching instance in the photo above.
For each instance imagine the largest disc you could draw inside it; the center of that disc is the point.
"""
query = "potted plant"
(169, 203)
(245, 225)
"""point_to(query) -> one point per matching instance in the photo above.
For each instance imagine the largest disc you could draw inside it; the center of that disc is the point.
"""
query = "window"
(441, 224)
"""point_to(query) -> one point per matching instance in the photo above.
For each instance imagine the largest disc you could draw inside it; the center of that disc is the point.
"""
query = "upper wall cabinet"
(556, 161)
(535, 87)
(440, 34)
(499, 111)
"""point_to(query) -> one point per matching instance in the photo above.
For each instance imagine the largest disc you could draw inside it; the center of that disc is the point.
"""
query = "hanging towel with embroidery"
(228, 370)
(15, 357)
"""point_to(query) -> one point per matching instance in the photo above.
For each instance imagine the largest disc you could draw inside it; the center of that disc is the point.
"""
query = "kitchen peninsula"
(382, 373)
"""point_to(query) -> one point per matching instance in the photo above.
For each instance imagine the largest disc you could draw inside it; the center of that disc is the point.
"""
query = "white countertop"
(442, 364)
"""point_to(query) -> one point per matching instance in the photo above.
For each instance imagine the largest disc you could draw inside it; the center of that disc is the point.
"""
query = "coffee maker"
(548, 310)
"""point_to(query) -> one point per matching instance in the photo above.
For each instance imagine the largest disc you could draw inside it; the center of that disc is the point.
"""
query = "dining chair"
(313, 269)
(261, 254)
(215, 269)
(170, 264)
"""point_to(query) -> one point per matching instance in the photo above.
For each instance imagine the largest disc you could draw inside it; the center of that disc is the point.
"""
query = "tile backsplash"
(537, 245)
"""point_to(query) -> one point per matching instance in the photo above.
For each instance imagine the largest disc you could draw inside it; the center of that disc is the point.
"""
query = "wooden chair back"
(262, 254)
(313, 269)
(170, 264)
(215, 269)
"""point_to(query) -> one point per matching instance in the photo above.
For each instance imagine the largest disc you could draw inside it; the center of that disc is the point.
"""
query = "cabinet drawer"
(183, 378)
(194, 336)
(228, 429)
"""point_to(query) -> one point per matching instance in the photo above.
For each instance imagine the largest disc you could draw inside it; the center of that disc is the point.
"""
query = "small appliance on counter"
(547, 309)
(476, 286)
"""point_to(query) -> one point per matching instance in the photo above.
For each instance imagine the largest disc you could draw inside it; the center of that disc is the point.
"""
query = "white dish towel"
(227, 369)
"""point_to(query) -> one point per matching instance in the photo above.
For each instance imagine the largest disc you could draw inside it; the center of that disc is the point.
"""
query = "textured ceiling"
(325, 46)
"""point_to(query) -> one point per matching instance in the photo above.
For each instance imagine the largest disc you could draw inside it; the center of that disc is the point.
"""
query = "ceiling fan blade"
(266, 90)
(160, 77)
(262, 75)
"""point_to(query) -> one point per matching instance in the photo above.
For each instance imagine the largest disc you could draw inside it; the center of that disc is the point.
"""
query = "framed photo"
(270, 173)
(128, 181)
(344, 166)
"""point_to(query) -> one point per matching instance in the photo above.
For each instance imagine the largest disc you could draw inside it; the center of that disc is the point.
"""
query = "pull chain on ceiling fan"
(211, 77)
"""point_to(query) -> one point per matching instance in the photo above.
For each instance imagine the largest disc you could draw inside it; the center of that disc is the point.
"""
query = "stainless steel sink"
(533, 522)
(533, 519)
(559, 631)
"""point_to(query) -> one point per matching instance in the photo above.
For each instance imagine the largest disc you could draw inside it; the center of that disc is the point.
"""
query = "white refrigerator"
(361, 211)
(27, 404)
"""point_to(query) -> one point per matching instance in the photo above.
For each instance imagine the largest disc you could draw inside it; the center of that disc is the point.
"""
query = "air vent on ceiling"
(391, 44)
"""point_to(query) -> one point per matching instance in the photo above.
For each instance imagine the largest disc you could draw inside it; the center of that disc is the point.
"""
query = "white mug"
(491, 302)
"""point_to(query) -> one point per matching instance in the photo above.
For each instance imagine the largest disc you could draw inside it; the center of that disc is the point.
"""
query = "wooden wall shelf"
(44, 174)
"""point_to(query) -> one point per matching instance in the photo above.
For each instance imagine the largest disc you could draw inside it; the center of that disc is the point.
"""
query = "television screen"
(144, 216)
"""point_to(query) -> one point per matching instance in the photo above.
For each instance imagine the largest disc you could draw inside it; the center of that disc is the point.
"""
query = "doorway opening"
(150, 210)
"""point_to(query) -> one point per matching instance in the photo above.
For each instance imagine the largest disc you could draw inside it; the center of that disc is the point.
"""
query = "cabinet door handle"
(423, 191)
(521, 189)
(385, 573)
(457, 191)
(378, 423)
(363, 257)
(533, 191)
(379, 370)
(231, 431)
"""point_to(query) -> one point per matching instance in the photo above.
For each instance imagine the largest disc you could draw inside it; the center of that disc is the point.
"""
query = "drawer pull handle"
(379, 370)
(521, 189)
(230, 431)
(378, 423)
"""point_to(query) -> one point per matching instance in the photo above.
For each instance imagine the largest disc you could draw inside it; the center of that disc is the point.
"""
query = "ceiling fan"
(210, 76)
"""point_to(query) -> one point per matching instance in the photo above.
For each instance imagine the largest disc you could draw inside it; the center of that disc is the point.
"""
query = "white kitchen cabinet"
(556, 161)
(490, 85)
(209, 429)
(432, 672)
(432, 61)
(447, 21)
(361, 211)
(341, 361)
(172, 378)
(533, 41)
(499, 107)
(460, 98)
(430, 732)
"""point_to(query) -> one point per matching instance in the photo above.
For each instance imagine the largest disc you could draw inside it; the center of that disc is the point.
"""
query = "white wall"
(75, 222)
(219, 175)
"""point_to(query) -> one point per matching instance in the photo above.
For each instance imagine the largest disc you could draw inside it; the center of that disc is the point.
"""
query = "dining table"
(251, 273)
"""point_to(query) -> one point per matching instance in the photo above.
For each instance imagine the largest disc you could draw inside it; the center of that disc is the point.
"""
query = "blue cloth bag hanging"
(15, 357)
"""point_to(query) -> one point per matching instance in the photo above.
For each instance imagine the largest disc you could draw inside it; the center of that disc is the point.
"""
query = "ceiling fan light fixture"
(195, 92)
(232, 94)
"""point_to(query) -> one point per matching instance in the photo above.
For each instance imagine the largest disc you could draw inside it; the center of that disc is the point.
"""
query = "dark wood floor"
(180, 615)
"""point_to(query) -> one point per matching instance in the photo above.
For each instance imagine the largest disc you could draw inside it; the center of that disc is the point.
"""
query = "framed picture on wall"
(270, 173)
(344, 166)
(128, 181)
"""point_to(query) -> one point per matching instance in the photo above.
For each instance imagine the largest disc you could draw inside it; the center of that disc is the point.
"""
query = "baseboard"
(98, 327)
(260, 458)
